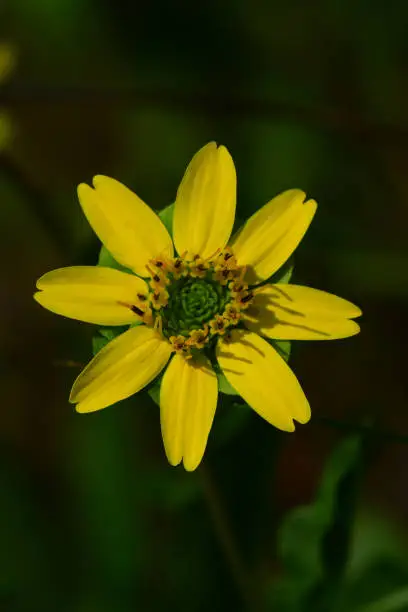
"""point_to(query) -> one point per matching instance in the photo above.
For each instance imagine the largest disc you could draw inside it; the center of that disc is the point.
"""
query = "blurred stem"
(227, 541)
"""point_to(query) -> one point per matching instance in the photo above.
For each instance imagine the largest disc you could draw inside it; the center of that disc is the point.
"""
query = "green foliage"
(394, 602)
(314, 540)
(377, 571)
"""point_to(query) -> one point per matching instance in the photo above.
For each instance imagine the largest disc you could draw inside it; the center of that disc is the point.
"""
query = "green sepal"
(224, 386)
(105, 335)
(283, 347)
(106, 260)
(153, 389)
(98, 342)
(284, 274)
(166, 217)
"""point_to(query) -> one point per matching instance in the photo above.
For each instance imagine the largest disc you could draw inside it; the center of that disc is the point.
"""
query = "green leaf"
(377, 570)
(314, 540)
(166, 215)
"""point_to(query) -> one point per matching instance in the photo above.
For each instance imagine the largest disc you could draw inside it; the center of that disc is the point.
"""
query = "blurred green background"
(310, 95)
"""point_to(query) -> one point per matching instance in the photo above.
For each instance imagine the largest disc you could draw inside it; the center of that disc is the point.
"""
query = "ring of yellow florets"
(192, 300)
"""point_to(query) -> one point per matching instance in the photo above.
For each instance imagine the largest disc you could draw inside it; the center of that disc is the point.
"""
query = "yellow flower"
(173, 330)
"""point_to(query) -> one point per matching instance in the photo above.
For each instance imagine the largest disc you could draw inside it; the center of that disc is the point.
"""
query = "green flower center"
(192, 303)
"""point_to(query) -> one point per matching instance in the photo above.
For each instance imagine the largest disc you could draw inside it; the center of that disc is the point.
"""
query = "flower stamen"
(218, 325)
(137, 310)
(195, 299)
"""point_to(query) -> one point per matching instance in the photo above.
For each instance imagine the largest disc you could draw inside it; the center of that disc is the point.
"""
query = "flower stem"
(227, 541)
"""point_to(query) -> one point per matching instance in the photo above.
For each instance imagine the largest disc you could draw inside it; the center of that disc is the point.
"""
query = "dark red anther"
(137, 310)
(248, 297)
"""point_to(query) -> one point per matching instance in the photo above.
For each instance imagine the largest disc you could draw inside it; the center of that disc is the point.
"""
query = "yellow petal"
(130, 230)
(293, 312)
(204, 210)
(121, 368)
(92, 294)
(188, 399)
(272, 234)
(263, 379)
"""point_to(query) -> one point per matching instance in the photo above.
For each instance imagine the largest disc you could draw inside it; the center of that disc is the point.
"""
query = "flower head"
(199, 309)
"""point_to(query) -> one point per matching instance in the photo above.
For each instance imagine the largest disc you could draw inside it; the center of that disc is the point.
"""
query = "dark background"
(304, 94)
